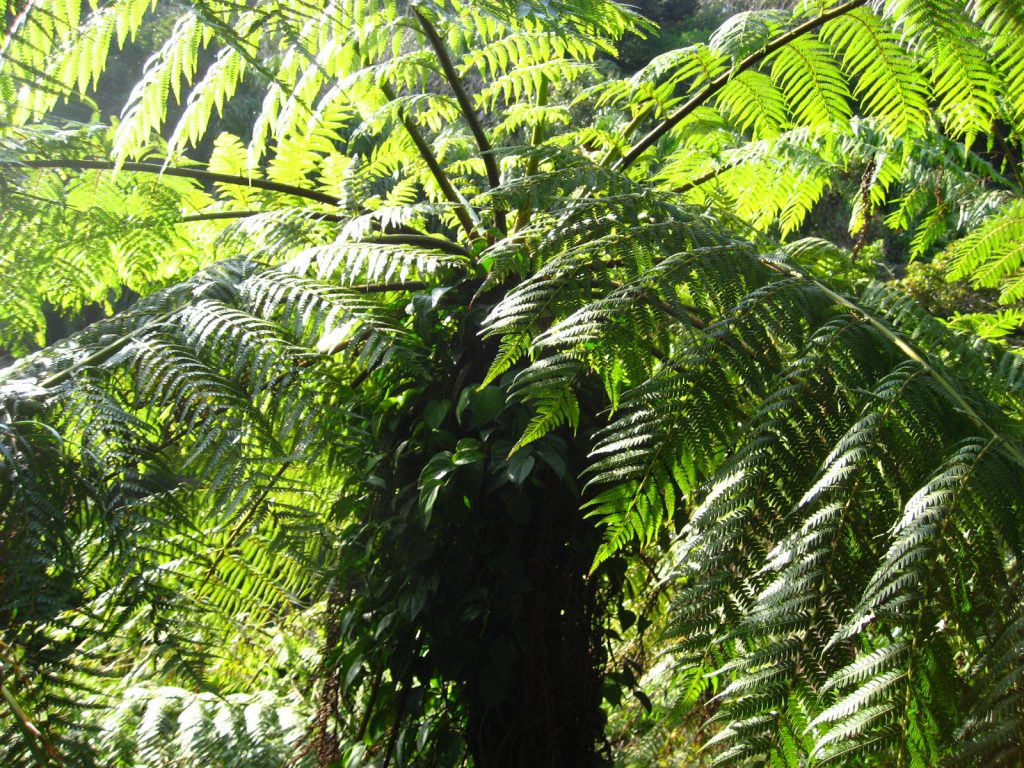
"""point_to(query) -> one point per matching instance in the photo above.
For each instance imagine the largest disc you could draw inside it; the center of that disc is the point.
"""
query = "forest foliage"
(480, 404)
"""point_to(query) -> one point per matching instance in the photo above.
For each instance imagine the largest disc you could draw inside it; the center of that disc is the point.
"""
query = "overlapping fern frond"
(193, 438)
(842, 485)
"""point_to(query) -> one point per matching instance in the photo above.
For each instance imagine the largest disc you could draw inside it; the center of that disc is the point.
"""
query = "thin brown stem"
(628, 131)
(401, 235)
(714, 173)
(43, 751)
(1007, 154)
(403, 697)
(364, 722)
(221, 215)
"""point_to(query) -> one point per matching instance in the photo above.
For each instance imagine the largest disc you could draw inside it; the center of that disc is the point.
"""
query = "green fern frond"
(888, 84)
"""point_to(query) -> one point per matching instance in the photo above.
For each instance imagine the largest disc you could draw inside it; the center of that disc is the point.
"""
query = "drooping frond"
(991, 255)
(153, 727)
(827, 491)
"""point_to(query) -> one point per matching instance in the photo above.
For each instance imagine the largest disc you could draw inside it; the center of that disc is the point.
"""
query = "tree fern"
(426, 386)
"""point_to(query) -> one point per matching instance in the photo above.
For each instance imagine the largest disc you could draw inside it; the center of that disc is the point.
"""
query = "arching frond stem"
(104, 353)
(247, 519)
(466, 106)
(43, 751)
(421, 241)
(462, 210)
(725, 78)
(222, 215)
(703, 179)
(525, 211)
(409, 285)
(912, 354)
(626, 132)
(188, 173)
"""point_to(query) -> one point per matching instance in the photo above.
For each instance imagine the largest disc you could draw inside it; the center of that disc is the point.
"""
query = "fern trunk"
(550, 714)
(535, 699)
